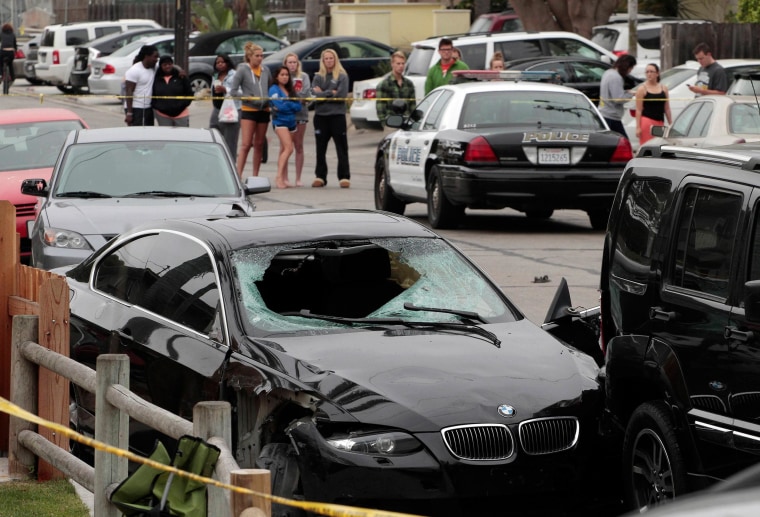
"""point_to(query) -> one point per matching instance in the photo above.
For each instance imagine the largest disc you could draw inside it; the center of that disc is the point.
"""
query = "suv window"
(705, 240)
(75, 37)
(419, 60)
(519, 49)
(570, 47)
(104, 31)
(605, 38)
(649, 38)
(473, 55)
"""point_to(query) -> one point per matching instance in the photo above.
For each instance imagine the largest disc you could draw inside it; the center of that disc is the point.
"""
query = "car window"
(675, 76)
(260, 39)
(234, 45)
(743, 118)
(584, 72)
(518, 49)
(558, 68)
(605, 38)
(165, 48)
(701, 121)
(364, 49)
(753, 271)
(473, 55)
(76, 37)
(128, 49)
(512, 25)
(33, 145)
(418, 62)
(433, 118)
(425, 105)
(705, 240)
(317, 53)
(637, 229)
(649, 38)
(570, 47)
(121, 273)
(103, 31)
(48, 39)
(684, 120)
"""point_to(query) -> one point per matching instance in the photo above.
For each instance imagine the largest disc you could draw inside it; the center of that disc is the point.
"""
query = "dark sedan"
(367, 360)
(105, 46)
(362, 58)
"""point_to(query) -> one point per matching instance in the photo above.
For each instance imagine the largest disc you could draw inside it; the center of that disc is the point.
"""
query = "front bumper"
(521, 188)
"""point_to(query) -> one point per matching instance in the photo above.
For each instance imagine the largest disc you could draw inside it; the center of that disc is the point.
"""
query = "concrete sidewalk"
(85, 495)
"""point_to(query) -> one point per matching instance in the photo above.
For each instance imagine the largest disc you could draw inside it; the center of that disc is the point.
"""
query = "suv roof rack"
(747, 162)
(507, 75)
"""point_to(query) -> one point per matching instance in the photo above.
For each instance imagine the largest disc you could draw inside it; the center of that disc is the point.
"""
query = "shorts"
(257, 116)
(292, 129)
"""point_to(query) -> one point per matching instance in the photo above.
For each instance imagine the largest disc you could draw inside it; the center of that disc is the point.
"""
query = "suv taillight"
(56, 57)
(479, 150)
(369, 93)
(108, 69)
(619, 52)
(623, 151)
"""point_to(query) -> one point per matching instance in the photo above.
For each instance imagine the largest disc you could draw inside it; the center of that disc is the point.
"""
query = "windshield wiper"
(162, 193)
(456, 312)
(433, 325)
(82, 194)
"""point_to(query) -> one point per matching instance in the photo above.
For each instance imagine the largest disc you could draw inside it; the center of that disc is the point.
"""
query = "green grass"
(48, 499)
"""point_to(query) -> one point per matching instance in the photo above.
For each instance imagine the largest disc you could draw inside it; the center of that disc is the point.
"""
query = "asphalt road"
(512, 249)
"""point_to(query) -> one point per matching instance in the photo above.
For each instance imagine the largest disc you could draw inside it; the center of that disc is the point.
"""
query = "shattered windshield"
(367, 279)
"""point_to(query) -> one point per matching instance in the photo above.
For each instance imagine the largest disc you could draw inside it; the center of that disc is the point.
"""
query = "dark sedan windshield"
(371, 279)
(33, 145)
(121, 169)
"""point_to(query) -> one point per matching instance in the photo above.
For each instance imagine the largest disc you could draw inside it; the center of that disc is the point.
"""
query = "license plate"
(552, 156)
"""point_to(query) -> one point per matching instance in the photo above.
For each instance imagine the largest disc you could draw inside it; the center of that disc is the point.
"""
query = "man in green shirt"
(395, 86)
(442, 72)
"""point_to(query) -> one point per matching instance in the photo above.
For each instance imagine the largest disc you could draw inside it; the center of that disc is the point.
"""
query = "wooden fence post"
(8, 266)
(22, 461)
(111, 427)
(258, 480)
(214, 419)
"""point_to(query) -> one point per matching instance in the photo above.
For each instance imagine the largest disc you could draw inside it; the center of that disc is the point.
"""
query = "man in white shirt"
(139, 87)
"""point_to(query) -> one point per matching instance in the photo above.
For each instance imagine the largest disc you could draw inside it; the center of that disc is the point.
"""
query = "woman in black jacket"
(8, 47)
(172, 95)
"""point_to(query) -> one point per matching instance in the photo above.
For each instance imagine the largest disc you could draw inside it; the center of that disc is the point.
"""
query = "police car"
(497, 143)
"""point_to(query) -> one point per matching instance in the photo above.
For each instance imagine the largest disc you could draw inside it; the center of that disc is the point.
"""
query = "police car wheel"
(385, 199)
(441, 212)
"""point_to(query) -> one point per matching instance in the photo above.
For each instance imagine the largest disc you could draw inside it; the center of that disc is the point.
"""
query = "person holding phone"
(331, 88)
(711, 77)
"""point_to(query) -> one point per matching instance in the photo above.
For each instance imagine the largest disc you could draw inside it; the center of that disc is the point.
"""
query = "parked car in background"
(367, 361)
(507, 21)
(105, 46)
(529, 146)
(19, 60)
(109, 180)
(746, 84)
(709, 121)
(30, 141)
(363, 58)
(55, 56)
(30, 52)
(677, 80)
(108, 72)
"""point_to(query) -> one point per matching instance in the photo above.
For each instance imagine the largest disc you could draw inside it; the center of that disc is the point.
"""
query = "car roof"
(512, 86)
(147, 133)
(211, 38)
(21, 116)
(501, 36)
(552, 59)
(292, 226)
(108, 38)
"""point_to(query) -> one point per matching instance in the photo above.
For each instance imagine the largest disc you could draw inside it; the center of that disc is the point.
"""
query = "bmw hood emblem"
(506, 411)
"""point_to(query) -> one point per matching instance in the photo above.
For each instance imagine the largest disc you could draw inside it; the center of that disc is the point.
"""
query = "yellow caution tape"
(335, 510)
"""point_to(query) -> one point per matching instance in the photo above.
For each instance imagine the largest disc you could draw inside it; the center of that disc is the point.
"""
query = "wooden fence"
(35, 371)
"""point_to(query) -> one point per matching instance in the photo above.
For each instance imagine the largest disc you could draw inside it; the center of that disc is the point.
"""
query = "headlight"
(389, 444)
(64, 239)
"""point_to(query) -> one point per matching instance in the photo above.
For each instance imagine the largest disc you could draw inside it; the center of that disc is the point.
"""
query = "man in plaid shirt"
(395, 86)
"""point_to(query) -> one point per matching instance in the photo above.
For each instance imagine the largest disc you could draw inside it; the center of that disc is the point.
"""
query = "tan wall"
(397, 24)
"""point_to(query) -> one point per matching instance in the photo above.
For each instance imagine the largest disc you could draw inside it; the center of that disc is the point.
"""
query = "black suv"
(680, 319)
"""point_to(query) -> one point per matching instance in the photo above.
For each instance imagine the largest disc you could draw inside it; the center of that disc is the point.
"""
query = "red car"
(30, 140)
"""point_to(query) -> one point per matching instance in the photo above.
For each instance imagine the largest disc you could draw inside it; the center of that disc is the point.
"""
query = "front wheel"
(654, 469)
(200, 82)
(385, 199)
(442, 213)
(280, 460)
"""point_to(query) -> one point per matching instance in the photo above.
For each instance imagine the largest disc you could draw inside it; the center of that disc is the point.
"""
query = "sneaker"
(319, 182)
(344, 183)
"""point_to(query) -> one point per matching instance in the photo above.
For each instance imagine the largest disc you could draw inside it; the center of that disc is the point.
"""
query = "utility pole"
(181, 32)
(633, 15)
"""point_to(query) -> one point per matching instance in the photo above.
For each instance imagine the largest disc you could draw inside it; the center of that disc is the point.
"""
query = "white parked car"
(676, 80)
(476, 52)
(108, 72)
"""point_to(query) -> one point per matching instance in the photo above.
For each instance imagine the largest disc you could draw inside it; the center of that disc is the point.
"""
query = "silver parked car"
(108, 180)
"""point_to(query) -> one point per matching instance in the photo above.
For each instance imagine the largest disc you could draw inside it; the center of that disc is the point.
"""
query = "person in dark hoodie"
(172, 95)
(8, 47)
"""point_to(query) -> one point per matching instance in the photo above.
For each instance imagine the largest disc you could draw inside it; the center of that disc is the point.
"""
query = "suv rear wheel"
(654, 470)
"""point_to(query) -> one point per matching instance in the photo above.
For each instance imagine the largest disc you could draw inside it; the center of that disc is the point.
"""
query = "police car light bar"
(508, 75)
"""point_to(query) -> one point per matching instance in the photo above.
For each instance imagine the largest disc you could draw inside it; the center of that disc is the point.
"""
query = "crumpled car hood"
(424, 381)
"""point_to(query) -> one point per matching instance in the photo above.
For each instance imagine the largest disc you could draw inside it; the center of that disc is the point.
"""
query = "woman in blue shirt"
(284, 105)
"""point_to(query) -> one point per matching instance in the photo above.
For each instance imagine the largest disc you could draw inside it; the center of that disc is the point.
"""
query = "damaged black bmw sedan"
(367, 360)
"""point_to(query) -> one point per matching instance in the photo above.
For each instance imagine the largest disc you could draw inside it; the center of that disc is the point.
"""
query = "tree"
(578, 16)
(748, 11)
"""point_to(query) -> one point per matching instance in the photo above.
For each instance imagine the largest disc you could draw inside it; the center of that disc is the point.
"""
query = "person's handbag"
(228, 113)
(149, 492)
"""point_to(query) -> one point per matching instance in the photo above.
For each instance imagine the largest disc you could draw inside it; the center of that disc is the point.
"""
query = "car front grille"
(710, 403)
(548, 435)
(480, 442)
(745, 405)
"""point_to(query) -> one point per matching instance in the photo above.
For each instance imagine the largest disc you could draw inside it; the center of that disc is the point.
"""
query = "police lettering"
(555, 136)
(408, 155)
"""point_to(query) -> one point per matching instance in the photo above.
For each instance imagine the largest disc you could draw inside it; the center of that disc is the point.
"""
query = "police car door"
(410, 148)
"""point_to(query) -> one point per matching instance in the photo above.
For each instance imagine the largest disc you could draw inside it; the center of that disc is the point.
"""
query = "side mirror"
(416, 115)
(35, 187)
(394, 121)
(257, 185)
(752, 301)
(658, 130)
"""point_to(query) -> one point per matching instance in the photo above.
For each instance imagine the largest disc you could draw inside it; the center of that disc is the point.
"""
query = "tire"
(539, 213)
(441, 212)
(199, 82)
(280, 460)
(598, 218)
(654, 469)
(385, 199)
